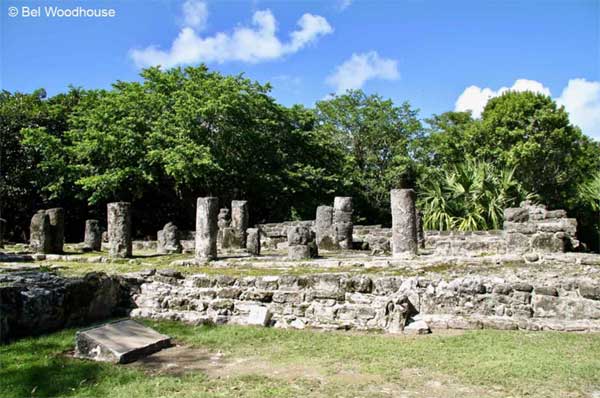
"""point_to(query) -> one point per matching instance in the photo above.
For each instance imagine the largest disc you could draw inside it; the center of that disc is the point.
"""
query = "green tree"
(373, 135)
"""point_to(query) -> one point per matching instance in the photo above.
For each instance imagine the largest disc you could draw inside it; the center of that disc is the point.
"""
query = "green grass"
(509, 363)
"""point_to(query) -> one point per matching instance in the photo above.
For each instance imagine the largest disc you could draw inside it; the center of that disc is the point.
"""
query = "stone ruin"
(333, 225)
(404, 223)
(168, 241)
(119, 229)
(301, 243)
(532, 228)
(47, 231)
(206, 228)
(92, 236)
(552, 290)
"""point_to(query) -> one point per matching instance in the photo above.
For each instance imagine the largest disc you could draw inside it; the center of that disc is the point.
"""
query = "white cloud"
(581, 99)
(195, 14)
(246, 44)
(474, 98)
(343, 4)
(355, 72)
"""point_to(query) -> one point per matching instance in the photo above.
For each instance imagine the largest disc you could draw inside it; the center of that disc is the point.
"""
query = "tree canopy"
(186, 132)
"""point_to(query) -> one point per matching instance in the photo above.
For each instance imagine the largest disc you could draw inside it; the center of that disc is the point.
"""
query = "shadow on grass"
(56, 376)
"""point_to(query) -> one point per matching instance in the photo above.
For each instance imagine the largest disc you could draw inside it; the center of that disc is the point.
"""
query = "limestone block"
(56, 217)
(40, 240)
(259, 316)
(93, 235)
(206, 228)
(516, 214)
(119, 342)
(119, 229)
(168, 240)
(404, 225)
(253, 241)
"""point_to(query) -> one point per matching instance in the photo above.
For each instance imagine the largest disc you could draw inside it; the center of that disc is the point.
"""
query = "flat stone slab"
(119, 342)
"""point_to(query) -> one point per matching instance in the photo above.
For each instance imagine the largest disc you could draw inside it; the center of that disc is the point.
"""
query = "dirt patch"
(409, 383)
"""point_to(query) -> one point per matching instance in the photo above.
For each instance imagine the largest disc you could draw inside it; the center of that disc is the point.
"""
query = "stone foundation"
(346, 301)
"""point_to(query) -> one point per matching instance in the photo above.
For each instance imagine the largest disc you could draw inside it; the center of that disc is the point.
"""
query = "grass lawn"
(258, 362)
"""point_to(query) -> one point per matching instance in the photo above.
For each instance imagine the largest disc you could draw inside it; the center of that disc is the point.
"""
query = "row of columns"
(333, 226)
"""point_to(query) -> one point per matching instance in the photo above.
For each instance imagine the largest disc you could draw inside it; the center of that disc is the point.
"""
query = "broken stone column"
(40, 233)
(342, 221)
(206, 228)
(324, 229)
(404, 223)
(119, 229)
(168, 240)
(239, 220)
(253, 241)
(223, 222)
(93, 235)
(420, 230)
(301, 243)
(56, 217)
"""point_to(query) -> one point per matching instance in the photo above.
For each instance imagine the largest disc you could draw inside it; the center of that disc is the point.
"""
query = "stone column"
(324, 228)
(404, 223)
(253, 241)
(93, 235)
(57, 227)
(119, 229)
(240, 219)
(342, 221)
(420, 230)
(40, 233)
(168, 240)
(206, 228)
(301, 243)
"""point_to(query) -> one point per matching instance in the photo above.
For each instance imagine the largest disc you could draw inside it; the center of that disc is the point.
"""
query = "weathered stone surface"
(299, 252)
(206, 228)
(259, 315)
(240, 219)
(93, 235)
(342, 221)
(404, 225)
(33, 303)
(253, 241)
(420, 230)
(168, 240)
(119, 229)
(40, 233)
(417, 327)
(56, 217)
(119, 342)
(301, 243)
(298, 235)
(516, 214)
(324, 231)
(223, 220)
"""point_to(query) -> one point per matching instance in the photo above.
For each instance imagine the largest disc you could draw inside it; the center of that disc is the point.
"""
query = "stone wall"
(38, 302)
(532, 228)
(33, 303)
(344, 301)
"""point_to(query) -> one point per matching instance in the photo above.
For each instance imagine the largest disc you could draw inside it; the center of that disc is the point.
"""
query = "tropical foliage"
(468, 196)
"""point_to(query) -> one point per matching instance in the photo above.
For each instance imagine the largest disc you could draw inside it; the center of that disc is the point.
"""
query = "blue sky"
(438, 55)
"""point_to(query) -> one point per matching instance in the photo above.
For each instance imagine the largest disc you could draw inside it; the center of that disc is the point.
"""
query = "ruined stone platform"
(119, 342)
